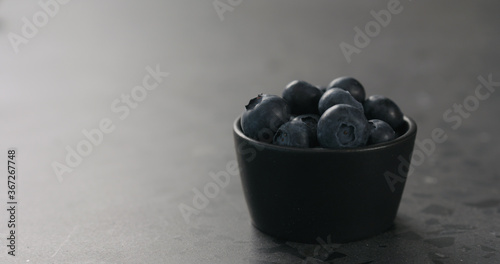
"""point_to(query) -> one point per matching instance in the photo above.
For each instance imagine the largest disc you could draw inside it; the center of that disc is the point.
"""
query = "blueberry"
(263, 116)
(302, 97)
(294, 133)
(351, 85)
(343, 126)
(312, 122)
(380, 132)
(383, 108)
(336, 96)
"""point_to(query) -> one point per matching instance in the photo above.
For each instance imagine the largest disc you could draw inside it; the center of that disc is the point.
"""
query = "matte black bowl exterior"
(305, 195)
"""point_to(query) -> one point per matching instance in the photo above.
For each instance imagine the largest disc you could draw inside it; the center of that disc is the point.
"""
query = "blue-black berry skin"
(380, 132)
(343, 126)
(335, 96)
(351, 85)
(312, 122)
(302, 97)
(383, 108)
(263, 116)
(294, 133)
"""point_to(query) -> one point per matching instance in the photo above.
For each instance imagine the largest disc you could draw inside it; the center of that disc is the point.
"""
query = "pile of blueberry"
(336, 117)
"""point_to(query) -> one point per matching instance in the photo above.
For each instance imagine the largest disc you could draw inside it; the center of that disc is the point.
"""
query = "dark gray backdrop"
(120, 202)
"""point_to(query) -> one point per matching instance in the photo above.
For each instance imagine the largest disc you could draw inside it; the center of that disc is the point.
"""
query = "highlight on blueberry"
(263, 116)
(335, 96)
(383, 108)
(351, 85)
(380, 132)
(323, 89)
(302, 97)
(343, 126)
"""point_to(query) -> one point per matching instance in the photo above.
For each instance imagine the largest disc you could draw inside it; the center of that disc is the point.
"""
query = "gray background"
(121, 204)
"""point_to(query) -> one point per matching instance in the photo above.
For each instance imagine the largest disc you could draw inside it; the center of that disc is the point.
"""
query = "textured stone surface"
(121, 204)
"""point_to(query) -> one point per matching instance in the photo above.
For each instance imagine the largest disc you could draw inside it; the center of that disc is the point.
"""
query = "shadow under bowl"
(315, 194)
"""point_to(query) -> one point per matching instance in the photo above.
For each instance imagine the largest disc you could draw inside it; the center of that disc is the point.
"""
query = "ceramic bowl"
(315, 194)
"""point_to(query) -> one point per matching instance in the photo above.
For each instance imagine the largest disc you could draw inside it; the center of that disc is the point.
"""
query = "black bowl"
(314, 194)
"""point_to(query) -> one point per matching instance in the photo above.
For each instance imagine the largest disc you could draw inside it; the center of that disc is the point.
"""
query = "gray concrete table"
(121, 111)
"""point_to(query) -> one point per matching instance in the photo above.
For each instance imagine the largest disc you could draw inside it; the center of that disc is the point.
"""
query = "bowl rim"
(412, 130)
